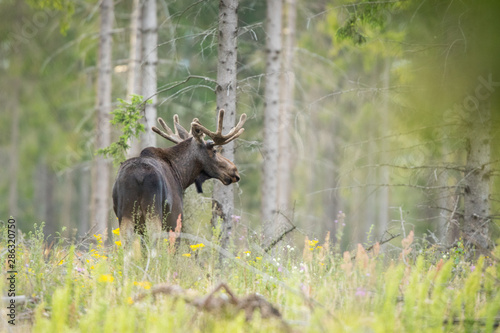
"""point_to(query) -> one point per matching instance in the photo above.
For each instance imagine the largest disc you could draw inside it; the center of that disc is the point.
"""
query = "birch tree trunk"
(134, 65)
(286, 108)
(477, 178)
(383, 192)
(150, 62)
(101, 170)
(223, 196)
(271, 118)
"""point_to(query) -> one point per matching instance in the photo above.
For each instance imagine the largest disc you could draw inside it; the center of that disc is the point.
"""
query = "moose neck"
(183, 161)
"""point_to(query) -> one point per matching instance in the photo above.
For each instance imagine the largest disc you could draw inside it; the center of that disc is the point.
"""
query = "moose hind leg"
(126, 229)
(153, 221)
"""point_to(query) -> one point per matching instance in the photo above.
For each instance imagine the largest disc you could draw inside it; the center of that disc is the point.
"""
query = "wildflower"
(186, 255)
(258, 258)
(242, 238)
(336, 221)
(130, 300)
(79, 269)
(116, 231)
(247, 252)
(145, 284)
(237, 258)
(106, 278)
(196, 246)
(118, 243)
(360, 291)
(236, 218)
(280, 269)
(313, 243)
(322, 264)
(319, 247)
(472, 268)
(61, 262)
(98, 237)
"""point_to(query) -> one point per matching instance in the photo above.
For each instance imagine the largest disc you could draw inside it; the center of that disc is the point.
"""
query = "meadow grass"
(94, 286)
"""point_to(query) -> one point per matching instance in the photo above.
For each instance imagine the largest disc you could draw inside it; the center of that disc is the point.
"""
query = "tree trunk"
(150, 59)
(271, 118)
(477, 178)
(286, 108)
(383, 192)
(101, 173)
(14, 151)
(223, 196)
(84, 201)
(44, 196)
(134, 65)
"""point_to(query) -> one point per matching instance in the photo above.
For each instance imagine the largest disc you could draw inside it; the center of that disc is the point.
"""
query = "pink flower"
(360, 292)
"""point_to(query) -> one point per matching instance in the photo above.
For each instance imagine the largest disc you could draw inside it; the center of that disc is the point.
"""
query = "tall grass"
(94, 287)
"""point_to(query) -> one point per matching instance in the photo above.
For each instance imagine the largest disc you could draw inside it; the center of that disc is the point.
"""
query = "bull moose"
(148, 191)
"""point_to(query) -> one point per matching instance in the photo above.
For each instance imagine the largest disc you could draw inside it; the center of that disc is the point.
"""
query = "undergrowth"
(92, 286)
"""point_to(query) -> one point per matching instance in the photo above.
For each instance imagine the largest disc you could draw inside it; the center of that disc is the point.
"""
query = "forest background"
(391, 100)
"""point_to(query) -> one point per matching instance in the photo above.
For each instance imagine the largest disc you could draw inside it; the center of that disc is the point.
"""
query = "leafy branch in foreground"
(128, 115)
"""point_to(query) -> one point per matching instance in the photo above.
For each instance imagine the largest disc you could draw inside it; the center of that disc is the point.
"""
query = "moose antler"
(180, 132)
(198, 129)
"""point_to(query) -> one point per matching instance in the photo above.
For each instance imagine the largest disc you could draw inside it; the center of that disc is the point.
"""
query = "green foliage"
(66, 7)
(361, 14)
(128, 115)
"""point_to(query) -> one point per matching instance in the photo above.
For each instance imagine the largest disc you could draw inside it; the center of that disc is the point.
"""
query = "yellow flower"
(130, 300)
(146, 284)
(92, 267)
(98, 237)
(313, 243)
(319, 247)
(106, 278)
(322, 264)
(61, 262)
(116, 231)
(258, 258)
(186, 255)
(196, 246)
(118, 243)
(237, 258)
(247, 252)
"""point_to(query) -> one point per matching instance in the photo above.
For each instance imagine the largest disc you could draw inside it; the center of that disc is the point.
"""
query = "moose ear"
(209, 144)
